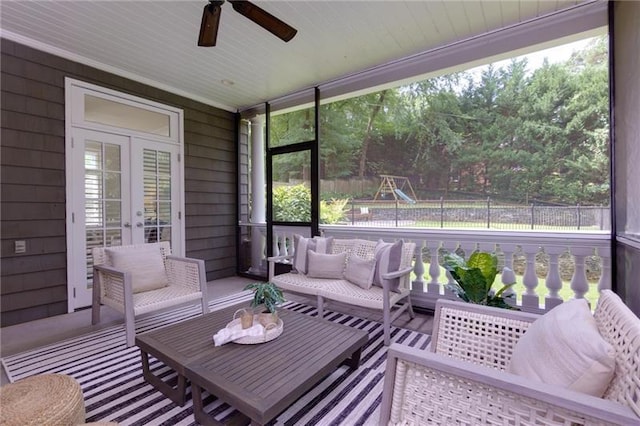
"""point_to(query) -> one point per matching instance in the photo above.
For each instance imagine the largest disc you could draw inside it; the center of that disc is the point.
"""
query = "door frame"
(313, 147)
(74, 89)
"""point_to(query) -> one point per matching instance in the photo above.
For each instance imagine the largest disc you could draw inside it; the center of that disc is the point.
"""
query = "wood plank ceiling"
(155, 42)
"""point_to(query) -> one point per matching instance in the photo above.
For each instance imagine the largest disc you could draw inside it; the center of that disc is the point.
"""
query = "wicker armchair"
(461, 380)
(112, 287)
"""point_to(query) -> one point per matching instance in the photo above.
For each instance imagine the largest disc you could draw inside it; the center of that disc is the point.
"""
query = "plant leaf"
(457, 290)
(487, 263)
(473, 283)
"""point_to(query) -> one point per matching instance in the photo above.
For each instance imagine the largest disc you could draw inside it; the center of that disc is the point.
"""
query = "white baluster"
(530, 279)
(605, 277)
(553, 282)
(508, 250)
(285, 243)
(508, 277)
(450, 279)
(418, 269)
(579, 283)
(434, 267)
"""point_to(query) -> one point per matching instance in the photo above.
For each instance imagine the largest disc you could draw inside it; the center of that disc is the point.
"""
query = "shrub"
(293, 204)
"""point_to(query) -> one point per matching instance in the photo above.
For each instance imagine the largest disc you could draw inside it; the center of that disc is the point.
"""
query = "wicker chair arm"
(279, 258)
(422, 387)
(186, 272)
(397, 274)
(479, 334)
(112, 282)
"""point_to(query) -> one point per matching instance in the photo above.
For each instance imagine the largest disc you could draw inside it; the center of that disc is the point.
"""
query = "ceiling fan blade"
(209, 26)
(263, 18)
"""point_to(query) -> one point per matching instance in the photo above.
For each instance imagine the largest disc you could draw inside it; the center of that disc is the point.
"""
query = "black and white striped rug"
(111, 375)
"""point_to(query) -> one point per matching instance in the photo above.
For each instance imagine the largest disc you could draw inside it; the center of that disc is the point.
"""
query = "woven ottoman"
(47, 399)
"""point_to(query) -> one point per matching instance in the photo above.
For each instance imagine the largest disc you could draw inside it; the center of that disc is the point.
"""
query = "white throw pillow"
(360, 271)
(145, 265)
(564, 347)
(303, 246)
(326, 265)
(388, 258)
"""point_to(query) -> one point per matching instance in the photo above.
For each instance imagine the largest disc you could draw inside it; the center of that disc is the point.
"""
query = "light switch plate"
(20, 246)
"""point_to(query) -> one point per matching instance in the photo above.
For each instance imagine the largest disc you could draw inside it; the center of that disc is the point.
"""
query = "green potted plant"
(474, 279)
(268, 295)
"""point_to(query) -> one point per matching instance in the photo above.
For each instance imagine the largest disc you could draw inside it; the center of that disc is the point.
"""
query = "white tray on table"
(272, 331)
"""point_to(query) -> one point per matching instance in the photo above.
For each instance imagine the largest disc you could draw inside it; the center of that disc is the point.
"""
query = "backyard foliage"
(293, 204)
(505, 131)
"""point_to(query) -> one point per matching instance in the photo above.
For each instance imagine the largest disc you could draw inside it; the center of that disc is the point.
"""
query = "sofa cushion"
(565, 348)
(303, 246)
(145, 263)
(360, 271)
(325, 265)
(388, 257)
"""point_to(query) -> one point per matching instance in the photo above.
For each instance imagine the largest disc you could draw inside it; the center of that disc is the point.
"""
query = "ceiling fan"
(211, 20)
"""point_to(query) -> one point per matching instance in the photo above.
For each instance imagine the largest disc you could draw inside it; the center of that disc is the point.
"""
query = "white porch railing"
(428, 284)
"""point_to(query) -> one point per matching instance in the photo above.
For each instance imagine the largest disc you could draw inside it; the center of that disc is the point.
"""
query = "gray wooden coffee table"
(261, 380)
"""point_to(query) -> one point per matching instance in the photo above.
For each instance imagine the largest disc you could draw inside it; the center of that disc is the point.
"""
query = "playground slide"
(404, 196)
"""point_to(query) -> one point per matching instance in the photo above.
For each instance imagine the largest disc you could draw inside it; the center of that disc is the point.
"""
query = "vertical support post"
(578, 213)
(258, 198)
(488, 212)
(532, 215)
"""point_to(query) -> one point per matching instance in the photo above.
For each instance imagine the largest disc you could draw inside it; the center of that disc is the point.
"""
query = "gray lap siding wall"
(32, 181)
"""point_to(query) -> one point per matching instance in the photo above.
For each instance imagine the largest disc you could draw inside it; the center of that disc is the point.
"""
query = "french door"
(125, 182)
(126, 192)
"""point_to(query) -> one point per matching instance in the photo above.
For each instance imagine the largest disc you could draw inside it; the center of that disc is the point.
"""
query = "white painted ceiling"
(155, 41)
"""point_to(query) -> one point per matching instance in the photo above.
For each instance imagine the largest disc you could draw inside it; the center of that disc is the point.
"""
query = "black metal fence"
(477, 214)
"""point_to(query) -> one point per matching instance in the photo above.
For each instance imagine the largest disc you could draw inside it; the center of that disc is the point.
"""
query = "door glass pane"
(292, 187)
(112, 154)
(164, 188)
(112, 185)
(112, 113)
(157, 195)
(103, 197)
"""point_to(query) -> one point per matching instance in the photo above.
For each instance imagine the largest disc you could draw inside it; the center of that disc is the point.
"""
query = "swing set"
(398, 186)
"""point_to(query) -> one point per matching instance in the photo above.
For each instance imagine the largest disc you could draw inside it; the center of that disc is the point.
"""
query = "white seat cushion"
(145, 265)
(564, 347)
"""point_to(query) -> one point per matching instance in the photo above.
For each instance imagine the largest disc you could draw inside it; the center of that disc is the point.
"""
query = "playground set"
(398, 186)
